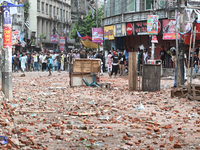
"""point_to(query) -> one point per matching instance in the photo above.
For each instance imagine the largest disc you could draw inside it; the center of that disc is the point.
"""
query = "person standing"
(174, 59)
(139, 59)
(109, 61)
(35, 56)
(195, 64)
(115, 65)
(49, 63)
(100, 56)
(145, 54)
(62, 62)
(58, 58)
(23, 60)
(83, 54)
(121, 63)
(169, 56)
(163, 56)
(43, 61)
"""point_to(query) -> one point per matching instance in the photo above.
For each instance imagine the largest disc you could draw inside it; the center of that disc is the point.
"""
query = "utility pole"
(7, 44)
(97, 21)
(62, 20)
(181, 8)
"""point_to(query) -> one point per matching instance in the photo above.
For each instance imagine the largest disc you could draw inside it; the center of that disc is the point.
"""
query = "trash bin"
(151, 77)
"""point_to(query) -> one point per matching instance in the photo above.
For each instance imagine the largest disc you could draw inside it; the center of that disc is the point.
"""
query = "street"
(49, 114)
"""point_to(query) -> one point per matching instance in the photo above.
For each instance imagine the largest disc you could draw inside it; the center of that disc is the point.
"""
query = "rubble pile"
(49, 114)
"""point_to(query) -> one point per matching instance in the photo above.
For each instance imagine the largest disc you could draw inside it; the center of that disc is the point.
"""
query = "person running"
(121, 64)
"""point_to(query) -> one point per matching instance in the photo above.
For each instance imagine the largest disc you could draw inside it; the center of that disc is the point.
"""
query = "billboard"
(169, 30)
(54, 38)
(97, 35)
(152, 24)
(108, 33)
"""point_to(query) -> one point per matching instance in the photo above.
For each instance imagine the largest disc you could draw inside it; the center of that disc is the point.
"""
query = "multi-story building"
(45, 15)
(125, 22)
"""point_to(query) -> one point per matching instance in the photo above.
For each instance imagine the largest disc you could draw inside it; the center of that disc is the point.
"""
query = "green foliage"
(26, 6)
(85, 28)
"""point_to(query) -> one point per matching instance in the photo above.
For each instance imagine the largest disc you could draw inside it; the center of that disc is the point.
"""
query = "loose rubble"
(49, 114)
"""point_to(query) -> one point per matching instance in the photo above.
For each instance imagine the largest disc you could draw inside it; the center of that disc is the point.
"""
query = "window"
(42, 6)
(50, 10)
(54, 10)
(63, 14)
(142, 5)
(118, 6)
(107, 14)
(113, 7)
(47, 8)
(60, 12)
(125, 5)
(148, 4)
(57, 10)
(162, 4)
(131, 5)
(38, 5)
(66, 15)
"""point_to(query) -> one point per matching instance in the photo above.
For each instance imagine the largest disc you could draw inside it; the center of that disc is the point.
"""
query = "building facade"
(125, 22)
(45, 15)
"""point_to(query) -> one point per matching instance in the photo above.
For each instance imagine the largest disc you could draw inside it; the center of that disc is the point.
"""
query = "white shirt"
(42, 58)
(35, 58)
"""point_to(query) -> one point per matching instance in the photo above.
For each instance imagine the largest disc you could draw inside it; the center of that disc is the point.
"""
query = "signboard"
(129, 28)
(6, 15)
(62, 40)
(22, 37)
(119, 30)
(54, 38)
(152, 24)
(97, 35)
(108, 33)
(169, 30)
(140, 27)
(154, 39)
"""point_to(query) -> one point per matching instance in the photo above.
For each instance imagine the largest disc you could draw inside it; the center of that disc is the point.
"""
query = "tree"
(85, 26)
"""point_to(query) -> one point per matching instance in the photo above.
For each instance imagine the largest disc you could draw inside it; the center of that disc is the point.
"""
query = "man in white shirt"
(43, 61)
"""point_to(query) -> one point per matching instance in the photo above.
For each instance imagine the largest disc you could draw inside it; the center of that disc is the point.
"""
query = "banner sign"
(54, 38)
(7, 29)
(62, 40)
(97, 35)
(7, 36)
(22, 37)
(119, 30)
(108, 33)
(15, 37)
(62, 47)
(169, 30)
(152, 24)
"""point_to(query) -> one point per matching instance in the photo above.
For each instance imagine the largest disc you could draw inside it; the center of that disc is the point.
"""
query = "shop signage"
(169, 30)
(7, 36)
(119, 30)
(97, 35)
(154, 39)
(129, 29)
(108, 33)
(152, 24)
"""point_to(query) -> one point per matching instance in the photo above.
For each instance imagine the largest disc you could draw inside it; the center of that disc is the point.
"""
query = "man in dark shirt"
(58, 58)
(115, 64)
(83, 54)
(163, 55)
(121, 63)
(29, 58)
